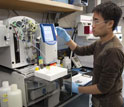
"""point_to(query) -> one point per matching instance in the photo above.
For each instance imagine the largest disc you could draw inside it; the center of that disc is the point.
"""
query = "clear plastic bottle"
(67, 62)
(14, 96)
(4, 94)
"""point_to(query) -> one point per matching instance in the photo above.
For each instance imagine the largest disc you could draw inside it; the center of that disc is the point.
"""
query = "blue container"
(64, 1)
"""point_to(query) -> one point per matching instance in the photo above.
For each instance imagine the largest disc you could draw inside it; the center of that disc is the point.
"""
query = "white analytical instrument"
(18, 42)
(19, 51)
(48, 43)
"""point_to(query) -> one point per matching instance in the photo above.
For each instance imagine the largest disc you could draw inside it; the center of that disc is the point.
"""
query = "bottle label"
(5, 95)
(40, 62)
(4, 100)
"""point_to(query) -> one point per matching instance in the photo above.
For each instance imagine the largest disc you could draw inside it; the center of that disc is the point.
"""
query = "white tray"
(51, 74)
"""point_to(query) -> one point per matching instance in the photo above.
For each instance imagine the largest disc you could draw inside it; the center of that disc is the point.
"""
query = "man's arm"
(92, 89)
(87, 50)
(72, 45)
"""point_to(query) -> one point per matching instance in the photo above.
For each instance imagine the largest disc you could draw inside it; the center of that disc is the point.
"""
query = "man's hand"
(63, 34)
(75, 87)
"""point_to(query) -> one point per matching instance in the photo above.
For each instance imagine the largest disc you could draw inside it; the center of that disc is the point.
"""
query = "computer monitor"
(48, 33)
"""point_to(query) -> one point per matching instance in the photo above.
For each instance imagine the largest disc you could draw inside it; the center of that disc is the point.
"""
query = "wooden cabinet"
(38, 6)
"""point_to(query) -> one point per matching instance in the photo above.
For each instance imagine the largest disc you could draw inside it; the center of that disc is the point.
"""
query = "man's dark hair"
(109, 11)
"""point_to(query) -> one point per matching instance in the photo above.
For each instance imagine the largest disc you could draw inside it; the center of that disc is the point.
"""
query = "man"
(108, 57)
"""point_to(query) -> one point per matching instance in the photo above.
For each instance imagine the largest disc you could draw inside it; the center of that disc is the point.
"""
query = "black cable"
(73, 37)
(15, 13)
(74, 34)
(42, 17)
(8, 14)
(47, 17)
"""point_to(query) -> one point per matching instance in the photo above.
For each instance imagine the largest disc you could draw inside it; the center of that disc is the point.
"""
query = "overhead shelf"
(38, 5)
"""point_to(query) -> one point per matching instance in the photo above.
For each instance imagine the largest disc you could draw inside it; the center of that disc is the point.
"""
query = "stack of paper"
(81, 79)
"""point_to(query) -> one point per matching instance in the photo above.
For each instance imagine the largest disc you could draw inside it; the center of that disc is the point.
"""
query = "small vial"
(41, 62)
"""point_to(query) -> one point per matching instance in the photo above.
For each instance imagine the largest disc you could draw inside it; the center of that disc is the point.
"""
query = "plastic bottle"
(14, 97)
(58, 63)
(41, 62)
(4, 94)
(67, 62)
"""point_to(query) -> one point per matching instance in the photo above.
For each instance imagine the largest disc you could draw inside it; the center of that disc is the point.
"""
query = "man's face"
(99, 26)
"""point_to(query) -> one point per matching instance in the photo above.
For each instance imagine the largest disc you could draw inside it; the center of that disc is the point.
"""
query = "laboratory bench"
(68, 99)
(76, 100)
